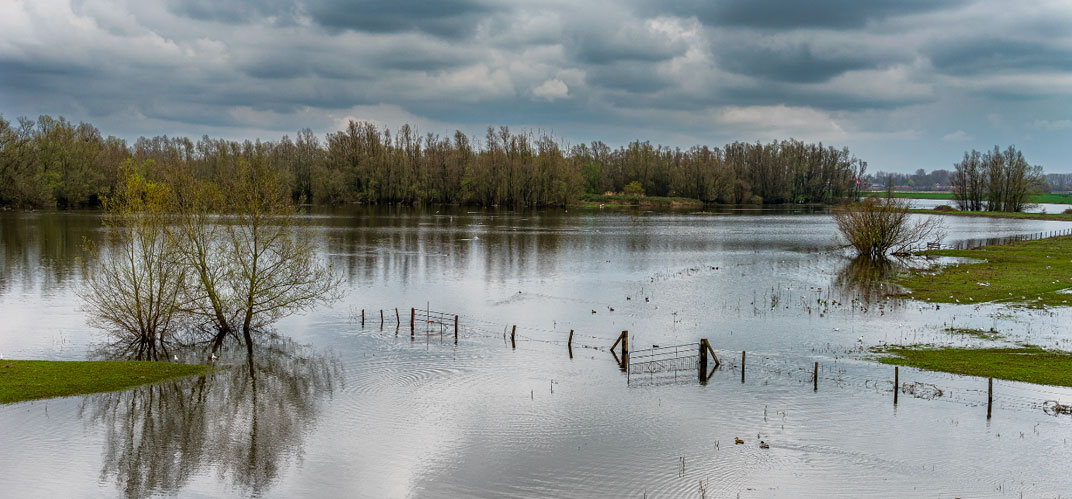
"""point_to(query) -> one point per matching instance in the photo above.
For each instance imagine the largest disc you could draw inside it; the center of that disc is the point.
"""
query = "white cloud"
(958, 136)
(550, 90)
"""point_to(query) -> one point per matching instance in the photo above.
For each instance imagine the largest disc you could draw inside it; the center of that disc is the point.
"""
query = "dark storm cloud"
(798, 63)
(627, 76)
(235, 11)
(611, 44)
(974, 56)
(452, 18)
(791, 14)
(850, 68)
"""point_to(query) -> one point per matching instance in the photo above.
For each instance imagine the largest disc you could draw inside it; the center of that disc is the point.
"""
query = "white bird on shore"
(860, 339)
(176, 358)
(213, 357)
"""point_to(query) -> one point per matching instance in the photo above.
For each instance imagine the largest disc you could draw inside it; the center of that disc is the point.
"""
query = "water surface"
(334, 408)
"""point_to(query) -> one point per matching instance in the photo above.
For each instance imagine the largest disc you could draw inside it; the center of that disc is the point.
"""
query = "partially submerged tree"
(876, 227)
(135, 291)
(274, 271)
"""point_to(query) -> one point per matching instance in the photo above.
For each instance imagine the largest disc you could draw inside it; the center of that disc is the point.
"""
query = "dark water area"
(332, 408)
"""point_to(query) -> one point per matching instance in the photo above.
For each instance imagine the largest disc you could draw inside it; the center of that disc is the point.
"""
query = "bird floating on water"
(763, 445)
(737, 441)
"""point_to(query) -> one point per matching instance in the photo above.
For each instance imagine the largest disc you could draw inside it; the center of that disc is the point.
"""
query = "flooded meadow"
(357, 400)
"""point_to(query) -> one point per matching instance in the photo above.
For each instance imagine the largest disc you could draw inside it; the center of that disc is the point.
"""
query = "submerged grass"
(36, 379)
(982, 334)
(1028, 363)
(1031, 273)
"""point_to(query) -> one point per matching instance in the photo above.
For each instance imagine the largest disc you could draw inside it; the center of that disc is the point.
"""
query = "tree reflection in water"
(867, 279)
(246, 420)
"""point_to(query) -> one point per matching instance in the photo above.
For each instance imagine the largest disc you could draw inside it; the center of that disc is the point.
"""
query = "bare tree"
(876, 227)
(134, 292)
(274, 270)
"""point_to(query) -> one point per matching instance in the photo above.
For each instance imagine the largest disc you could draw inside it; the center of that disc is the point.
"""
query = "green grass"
(36, 379)
(1030, 364)
(629, 200)
(1049, 198)
(1028, 272)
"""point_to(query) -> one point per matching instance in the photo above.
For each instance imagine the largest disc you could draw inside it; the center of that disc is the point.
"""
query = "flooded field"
(334, 407)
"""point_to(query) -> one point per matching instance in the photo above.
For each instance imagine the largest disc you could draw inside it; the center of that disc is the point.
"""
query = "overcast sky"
(904, 84)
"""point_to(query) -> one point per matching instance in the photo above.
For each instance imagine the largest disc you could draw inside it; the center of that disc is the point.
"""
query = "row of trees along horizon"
(53, 162)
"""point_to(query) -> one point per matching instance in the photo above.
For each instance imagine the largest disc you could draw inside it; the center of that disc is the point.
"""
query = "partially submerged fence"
(666, 364)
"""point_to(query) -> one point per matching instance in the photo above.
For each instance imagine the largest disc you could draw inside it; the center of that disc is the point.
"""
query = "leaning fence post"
(569, 344)
(381, 318)
(815, 377)
(513, 331)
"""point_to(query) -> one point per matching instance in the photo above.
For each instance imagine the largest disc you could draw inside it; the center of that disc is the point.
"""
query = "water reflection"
(43, 249)
(245, 421)
(867, 279)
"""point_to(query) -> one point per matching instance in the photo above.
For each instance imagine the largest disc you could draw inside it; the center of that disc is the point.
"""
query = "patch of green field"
(1030, 364)
(1032, 273)
(36, 379)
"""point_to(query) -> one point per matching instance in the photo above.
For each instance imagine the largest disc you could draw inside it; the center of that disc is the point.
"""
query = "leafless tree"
(134, 291)
(876, 227)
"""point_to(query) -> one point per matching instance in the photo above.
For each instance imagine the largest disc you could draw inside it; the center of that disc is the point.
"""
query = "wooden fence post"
(896, 382)
(362, 317)
(569, 344)
(815, 377)
(743, 354)
(455, 329)
(412, 319)
(513, 331)
(703, 361)
(989, 396)
(381, 318)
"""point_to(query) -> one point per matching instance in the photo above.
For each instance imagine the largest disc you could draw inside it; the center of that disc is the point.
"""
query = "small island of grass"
(1033, 273)
(22, 380)
(1029, 364)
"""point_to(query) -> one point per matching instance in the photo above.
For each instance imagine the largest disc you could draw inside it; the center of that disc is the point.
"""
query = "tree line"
(995, 180)
(53, 162)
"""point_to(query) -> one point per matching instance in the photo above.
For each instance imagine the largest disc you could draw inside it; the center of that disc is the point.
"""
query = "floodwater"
(332, 408)
(928, 204)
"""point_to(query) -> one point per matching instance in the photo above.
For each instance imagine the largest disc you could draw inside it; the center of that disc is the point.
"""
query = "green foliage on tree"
(52, 162)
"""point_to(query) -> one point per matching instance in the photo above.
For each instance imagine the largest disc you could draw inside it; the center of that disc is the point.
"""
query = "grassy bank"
(1029, 272)
(1030, 364)
(595, 200)
(1049, 198)
(1061, 217)
(36, 379)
